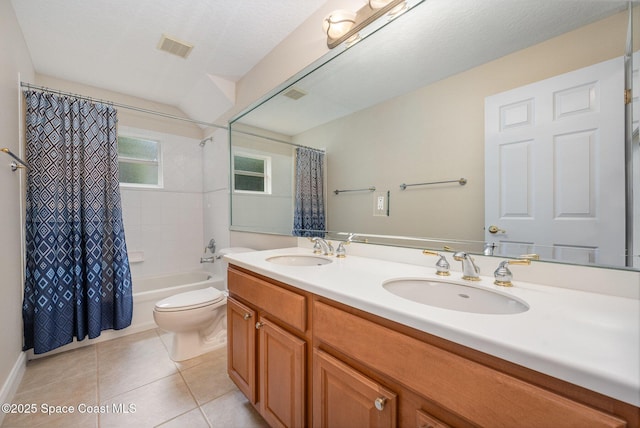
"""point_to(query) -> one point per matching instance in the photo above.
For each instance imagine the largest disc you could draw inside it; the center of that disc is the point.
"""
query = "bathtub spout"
(210, 259)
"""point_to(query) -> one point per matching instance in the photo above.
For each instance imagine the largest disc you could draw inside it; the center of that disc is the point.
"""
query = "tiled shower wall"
(167, 225)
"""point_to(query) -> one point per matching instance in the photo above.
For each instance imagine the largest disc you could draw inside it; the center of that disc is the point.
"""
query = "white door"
(554, 167)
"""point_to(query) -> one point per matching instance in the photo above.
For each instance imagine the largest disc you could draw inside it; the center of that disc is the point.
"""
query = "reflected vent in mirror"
(294, 94)
(174, 46)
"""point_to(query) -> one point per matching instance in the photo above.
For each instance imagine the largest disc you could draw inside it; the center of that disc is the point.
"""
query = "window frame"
(125, 159)
(266, 175)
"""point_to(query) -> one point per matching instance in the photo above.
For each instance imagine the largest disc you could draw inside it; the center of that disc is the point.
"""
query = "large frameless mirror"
(494, 126)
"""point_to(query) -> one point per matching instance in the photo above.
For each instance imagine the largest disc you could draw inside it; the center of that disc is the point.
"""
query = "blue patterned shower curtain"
(309, 215)
(78, 281)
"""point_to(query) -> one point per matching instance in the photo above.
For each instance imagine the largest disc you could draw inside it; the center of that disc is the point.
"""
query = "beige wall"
(437, 133)
(128, 117)
(14, 60)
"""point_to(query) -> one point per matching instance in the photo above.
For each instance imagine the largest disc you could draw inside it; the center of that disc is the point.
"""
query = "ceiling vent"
(174, 46)
(294, 94)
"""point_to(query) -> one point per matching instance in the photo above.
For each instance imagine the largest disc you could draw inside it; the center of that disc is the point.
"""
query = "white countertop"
(588, 339)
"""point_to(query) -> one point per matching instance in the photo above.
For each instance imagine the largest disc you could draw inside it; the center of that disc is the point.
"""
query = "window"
(251, 173)
(139, 162)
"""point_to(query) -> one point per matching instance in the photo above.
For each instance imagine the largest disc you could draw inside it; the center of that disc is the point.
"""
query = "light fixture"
(338, 23)
(344, 25)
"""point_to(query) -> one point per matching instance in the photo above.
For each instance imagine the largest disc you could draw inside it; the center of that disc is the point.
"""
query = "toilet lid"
(190, 300)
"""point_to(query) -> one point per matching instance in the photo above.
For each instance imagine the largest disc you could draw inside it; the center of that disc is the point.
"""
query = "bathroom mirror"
(412, 104)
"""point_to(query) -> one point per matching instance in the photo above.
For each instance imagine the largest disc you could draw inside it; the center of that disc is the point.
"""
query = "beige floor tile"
(192, 419)
(233, 410)
(151, 404)
(204, 358)
(72, 392)
(129, 364)
(79, 362)
(209, 380)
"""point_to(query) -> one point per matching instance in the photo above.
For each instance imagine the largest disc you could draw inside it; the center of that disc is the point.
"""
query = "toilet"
(197, 319)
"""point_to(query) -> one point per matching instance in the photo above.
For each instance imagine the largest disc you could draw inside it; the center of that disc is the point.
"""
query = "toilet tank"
(222, 266)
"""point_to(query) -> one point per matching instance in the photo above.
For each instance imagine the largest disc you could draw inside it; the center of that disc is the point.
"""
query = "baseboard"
(12, 382)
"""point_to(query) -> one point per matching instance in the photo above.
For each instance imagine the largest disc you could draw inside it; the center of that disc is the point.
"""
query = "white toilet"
(197, 319)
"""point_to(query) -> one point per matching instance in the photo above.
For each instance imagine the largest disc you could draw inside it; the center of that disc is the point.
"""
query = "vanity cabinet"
(267, 347)
(305, 360)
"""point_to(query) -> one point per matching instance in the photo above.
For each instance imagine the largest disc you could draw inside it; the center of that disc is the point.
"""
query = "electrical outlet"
(380, 204)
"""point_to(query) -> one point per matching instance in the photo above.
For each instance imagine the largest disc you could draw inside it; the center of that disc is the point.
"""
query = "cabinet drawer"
(475, 392)
(287, 306)
(425, 420)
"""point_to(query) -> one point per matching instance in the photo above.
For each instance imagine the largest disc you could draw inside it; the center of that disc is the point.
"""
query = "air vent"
(294, 94)
(174, 46)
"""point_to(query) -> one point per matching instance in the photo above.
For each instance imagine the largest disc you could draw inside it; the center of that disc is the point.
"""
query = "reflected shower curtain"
(308, 215)
(78, 280)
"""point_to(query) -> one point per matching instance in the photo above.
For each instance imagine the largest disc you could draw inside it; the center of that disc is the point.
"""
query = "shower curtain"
(78, 280)
(308, 215)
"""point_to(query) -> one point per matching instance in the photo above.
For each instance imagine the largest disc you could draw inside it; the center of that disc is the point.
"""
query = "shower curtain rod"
(157, 113)
(277, 141)
(120, 105)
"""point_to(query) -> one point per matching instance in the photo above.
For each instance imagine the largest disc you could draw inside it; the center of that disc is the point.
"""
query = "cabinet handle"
(258, 325)
(246, 316)
(379, 403)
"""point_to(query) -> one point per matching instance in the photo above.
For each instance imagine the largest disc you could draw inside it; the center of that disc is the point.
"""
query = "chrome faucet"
(321, 246)
(211, 247)
(470, 271)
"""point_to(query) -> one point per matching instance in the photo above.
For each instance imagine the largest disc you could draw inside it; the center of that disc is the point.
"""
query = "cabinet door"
(282, 376)
(241, 347)
(344, 397)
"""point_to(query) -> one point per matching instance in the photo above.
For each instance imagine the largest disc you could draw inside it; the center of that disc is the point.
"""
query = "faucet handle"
(442, 265)
(341, 253)
(317, 247)
(503, 275)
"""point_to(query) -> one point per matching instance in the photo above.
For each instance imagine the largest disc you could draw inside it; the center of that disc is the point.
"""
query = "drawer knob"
(379, 403)
(258, 325)
(246, 316)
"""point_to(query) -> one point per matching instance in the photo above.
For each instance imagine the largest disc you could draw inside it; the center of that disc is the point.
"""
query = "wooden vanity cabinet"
(304, 360)
(267, 347)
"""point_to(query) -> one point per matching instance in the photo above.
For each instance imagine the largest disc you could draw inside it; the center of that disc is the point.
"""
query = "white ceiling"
(112, 45)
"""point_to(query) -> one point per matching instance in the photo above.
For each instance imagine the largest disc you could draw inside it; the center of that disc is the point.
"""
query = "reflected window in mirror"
(251, 173)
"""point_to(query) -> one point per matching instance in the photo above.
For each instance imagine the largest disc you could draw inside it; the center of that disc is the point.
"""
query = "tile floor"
(132, 382)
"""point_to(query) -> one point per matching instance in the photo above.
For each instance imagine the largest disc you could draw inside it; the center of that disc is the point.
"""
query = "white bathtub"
(148, 290)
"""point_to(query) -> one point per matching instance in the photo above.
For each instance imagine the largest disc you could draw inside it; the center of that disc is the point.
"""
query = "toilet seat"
(190, 300)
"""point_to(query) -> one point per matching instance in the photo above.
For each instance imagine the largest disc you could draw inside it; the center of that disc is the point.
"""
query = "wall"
(15, 64)
(166, 225)
(437, 133)
(273, 212)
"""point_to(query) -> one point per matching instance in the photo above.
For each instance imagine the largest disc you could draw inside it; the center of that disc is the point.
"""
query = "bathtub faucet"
(209, 259)
(211, 247)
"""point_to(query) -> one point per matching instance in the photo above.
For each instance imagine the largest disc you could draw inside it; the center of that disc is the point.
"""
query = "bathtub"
(147, 290)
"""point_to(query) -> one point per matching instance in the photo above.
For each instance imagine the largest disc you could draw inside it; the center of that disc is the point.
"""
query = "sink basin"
(457, 297)
(299, 260)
